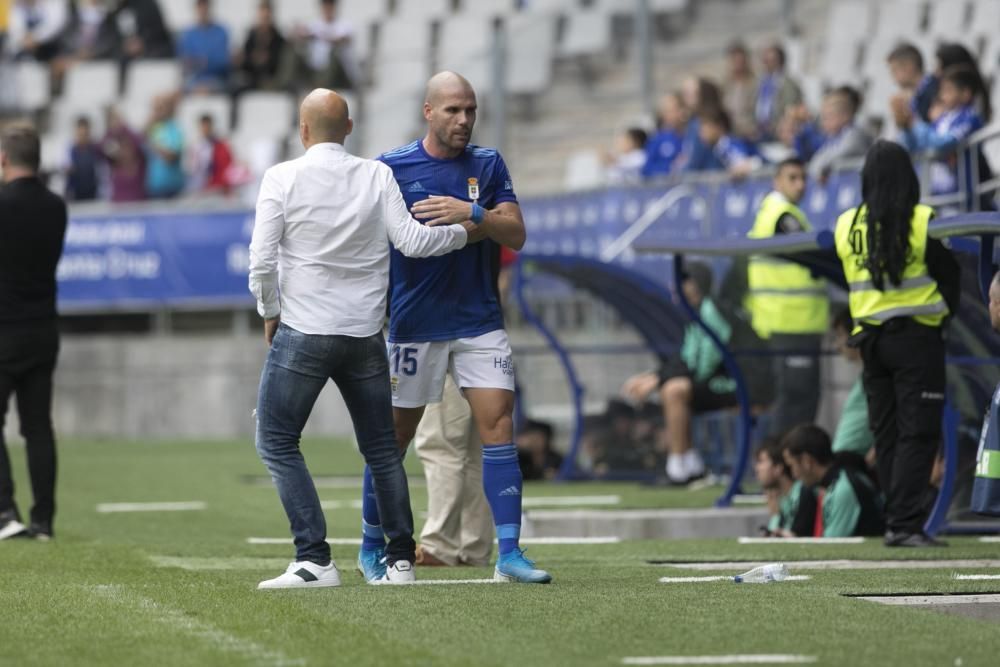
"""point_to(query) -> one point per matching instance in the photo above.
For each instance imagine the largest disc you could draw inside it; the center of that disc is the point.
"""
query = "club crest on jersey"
(473, 189)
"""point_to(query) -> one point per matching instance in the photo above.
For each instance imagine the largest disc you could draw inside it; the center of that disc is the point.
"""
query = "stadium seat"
(135, 112)
(192, 108)
(466, 46)
(495, 8)
(64, 112)
(179, 14)
(985, 20)
(238, 16)
(363, 10)
(847, 24)
(657, 7)
(587, 32)
(93, 82)
(404, 75)
(32, 86)
(555, 6)
(145, 79)
(403, 40)
(530, 51)
(265, 115)
(391, 120)
(55, 151)
(416, 10)
(946, 19)
(899, 19)
(584, 171)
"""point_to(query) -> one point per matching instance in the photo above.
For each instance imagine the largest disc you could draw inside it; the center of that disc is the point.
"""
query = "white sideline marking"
(340, 504)
(843, 564)
(977, 577)
(194, 505)
(992, 539)
(743, 659)
(337, 541)
(801, 540)
(177, 620)
(444, 582)
(351, 541)
(202, 564)
(749, 499)
(569, 501)
(932, 600)
(698, 580)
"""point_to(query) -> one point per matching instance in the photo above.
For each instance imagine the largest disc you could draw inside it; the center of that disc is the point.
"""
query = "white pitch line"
(569, 501)
(977, 577)
(109, 508)
(698, 580)
(932, 600)
(445, 582)
(749, 499)
(337, 541)
(843, 565)
(991, 539)
(801, 540)
(742, 659)
(340, 504)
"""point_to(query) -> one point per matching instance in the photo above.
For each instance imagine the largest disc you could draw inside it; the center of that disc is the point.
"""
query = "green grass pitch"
(178, 588)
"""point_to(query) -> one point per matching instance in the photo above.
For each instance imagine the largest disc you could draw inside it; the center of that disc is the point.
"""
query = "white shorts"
(417, 370)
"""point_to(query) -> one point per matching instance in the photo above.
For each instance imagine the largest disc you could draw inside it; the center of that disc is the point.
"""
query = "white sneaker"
(304, 574)
(400, 572)
(12, 528)
(676, 470)
(694, 464)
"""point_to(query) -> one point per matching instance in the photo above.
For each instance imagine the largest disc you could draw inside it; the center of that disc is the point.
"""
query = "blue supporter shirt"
(661, 151)
(452, 296)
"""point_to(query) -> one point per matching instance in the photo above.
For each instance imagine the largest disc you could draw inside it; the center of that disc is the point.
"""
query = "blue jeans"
(297, 368)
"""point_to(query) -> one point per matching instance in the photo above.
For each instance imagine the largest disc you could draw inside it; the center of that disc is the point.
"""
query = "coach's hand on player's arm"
(271, 328)
(504, 224)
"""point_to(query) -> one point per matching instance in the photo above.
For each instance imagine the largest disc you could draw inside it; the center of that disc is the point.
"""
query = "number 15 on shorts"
(403, 359)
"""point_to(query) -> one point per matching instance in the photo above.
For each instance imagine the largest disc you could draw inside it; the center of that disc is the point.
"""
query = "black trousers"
(796, 378)
(904, 380)
(27, 361)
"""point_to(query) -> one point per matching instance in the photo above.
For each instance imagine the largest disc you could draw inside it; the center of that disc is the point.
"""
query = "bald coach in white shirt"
(319, 268)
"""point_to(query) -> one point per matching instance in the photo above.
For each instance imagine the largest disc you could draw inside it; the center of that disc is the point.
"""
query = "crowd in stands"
(156, 160)
(706, 127)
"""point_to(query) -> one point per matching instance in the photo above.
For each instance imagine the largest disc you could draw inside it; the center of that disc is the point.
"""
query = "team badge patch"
(473, 189)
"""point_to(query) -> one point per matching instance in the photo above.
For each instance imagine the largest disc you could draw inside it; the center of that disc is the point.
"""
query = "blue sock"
(502, 483)
(371, 524)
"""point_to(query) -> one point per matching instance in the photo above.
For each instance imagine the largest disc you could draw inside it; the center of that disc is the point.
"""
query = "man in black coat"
(32, 228)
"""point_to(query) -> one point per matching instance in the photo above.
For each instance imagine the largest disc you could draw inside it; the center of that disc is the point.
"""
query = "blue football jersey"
(455, 295)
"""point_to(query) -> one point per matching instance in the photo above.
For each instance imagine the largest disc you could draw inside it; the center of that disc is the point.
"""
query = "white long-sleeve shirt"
(319, 255)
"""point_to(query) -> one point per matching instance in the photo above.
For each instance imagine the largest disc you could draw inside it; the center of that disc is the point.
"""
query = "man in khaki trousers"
(459, 527)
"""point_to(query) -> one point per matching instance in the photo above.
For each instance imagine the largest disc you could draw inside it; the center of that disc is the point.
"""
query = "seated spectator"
(907, 67)
(725, 152)
(211, 161)
(36, 28)
(141, 25)
(124, 152)
(663, 148)
(536, 457)
(842, 138)
(696, 382)
(957, 121)
(260, 59)
(849, 504)
(776, 92)
(853, 441)
(204, 52)
(629, 157)
(949, 55)
(83, 179)
(164, 150)
(91, 35)
(324, 54)
(699, 94)
(792, 505)
(741, 91)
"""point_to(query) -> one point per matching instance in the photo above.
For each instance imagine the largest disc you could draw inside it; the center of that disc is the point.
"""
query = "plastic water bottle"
(764, 574)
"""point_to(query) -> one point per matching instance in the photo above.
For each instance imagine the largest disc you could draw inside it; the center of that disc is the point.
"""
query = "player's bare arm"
(504, 224)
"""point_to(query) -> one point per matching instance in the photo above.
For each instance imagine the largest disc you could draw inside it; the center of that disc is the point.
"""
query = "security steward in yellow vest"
(789, 307)
(903, 287)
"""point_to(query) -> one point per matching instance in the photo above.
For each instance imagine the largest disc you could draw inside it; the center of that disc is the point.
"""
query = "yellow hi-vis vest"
(783, 298)
(917, 295)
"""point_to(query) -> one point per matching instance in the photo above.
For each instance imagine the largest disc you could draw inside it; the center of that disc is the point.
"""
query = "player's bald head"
(324, 117)
(446, 84)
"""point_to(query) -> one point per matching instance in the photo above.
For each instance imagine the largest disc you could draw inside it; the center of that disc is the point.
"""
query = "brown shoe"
(427, 559)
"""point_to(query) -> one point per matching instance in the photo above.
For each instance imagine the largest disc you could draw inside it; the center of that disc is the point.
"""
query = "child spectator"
(792, 505)
(629, 157)
(696, 382)
(853, 441)
(123, 150)
(842, 138)
(663, 148)
(949, 55)
(957, 121)
(204, 52)
(85, 162)
(725, 152)
(164, 147)
(907, 67)
(848, 504)
(260, 59)
(211, 160)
